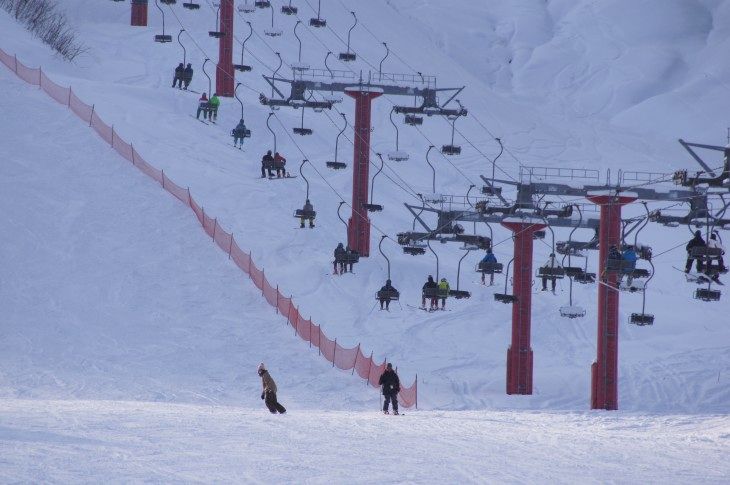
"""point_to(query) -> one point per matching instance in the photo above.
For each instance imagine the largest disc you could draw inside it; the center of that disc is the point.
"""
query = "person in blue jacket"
(489, 258)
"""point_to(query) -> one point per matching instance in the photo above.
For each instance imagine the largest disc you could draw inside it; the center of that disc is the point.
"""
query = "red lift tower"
(363, 91)
(604, 371)
(139, 13)
(224, 76)
(519, 353)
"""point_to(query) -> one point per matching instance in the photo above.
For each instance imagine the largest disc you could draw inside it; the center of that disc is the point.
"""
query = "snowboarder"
(550, 263)
(430, 286)
(187, 76)
(715, 243)
(307, 213)
(179, 76)
(239, 133)
(489, 258)
(280, 165)
(269, 391)
(443, 291)
(386, 294)
(695, 242)
(267, 162)
(203, 107)
(215, 102)
(340, 255)
(391, 387)
(628, 265)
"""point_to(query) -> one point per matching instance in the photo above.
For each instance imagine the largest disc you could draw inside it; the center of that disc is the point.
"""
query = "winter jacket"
(179, 71)
(489, 258)
(267, 159)
(695, 242)
(340, 252)
(430, 284)
(389, 288)
(240, 129)
(279, 158)
(444, 287)
(308, 207)
(629, 255)
(215, 102)
(268, 382)
(203, 102)
(389, 382)
(614, 254)
(715, 244)
(188, 73)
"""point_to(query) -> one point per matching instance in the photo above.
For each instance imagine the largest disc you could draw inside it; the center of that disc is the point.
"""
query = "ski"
(204, 122)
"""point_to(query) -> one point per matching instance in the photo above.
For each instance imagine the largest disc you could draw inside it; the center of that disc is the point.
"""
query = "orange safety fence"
(340, 357)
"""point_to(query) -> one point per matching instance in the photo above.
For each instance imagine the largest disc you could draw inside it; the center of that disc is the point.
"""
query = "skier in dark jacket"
(391, 387)
(179, 75)
(269, 392)
(339, 264)
(695, 242)
(266, 164)
(187, 76)
(386, 294)
(433, 286)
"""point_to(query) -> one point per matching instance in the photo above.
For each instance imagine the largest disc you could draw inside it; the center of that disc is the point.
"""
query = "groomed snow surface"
(128, 341)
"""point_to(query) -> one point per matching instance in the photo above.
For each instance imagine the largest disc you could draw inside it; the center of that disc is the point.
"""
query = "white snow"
(126, 334)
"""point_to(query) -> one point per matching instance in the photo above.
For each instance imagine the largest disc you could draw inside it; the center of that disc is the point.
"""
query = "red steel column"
(139, 13)
(604, 371)
(519, 353)
(358, 227)
(224, 76)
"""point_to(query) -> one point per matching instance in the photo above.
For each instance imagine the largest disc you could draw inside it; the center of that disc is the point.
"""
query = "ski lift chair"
(414, 249)
(191, 5)
(217, 34)
(538, 235)
(413, 120)
(349, 56)
(305, 213)
(489, 268)
(557, 272)
(370, 207)
(289, 9)
(246, 7)
(162, 38)
(459, 294)
(585, 278)
(262, 4)
(707, 294)
(243, 67)
(318, 22)
(641, 319)
(168, 2)
(452, 149)
(389, 295)
(302, 131)
(506, 297)
(570, 311)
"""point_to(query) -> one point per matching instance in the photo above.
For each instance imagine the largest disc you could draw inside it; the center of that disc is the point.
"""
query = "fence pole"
(370, 367)
(190, 199)
(319, 340)
(288, 312)
(355, 364)
(277, 294)
(215, 223)
(416, 390)
(230, 247)
(69, 97)
(334, 353)
(163, 173)
(16, 63)
(135, 163)
(91, 118)
(40, 78)
(113, 138)
(263, 278)
(296, 324)
(250, 257)
(310, 331)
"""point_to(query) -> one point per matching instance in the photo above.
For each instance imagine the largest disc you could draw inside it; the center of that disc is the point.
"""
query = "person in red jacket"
(280, 164)
(203, 106)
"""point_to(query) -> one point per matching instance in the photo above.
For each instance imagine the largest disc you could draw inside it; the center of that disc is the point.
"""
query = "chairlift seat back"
(413, 120)
(451, 150)
(707, 294)
(318, 23)
(289, 10)
(573, 271)
(572, 311)
(302, 131)
(640, 273)
(705, 252)
(373, 207)
(273, 32)
(414, 250)
(307, 214)
(241, 67)
(347, 56)
(585, 278)
(191, 5)
(504, 298)
(246, 8)
(215, 34)
(557, 272)
(163, 38)
(336, 165)
(634, 287)
(168, 2)
(538, 234)
(398, 156)
(390, 295)
(459, 294)
(435, 293)
(490, 268)
(641, 319)
(262, 4)
(491, 191)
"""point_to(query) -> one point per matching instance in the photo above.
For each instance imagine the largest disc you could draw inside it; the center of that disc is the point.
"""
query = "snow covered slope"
(580, 91)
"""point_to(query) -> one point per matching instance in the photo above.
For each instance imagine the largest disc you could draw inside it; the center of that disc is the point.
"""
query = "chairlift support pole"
(358, 229)
(224, 74)
(604, 371)
(139, 13)
(519, 353)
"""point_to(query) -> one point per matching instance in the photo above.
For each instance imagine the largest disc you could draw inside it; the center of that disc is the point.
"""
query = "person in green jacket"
(214, 103)
(443, 291)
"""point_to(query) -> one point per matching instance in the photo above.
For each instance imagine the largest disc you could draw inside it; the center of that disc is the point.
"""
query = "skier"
(489, 258)
(203, 106)
(269, 392)
(267, 162)
(280, 165)
(308, 211)
(443, 292)
(391, 387)
(339, 262)
(179, 75)
(239, 133)
(715, 243)
(628, 265)
(187, 76)
(350, 256)
(695, 242)
(430, 286)
(550, 263)
(386, 294)
(215, 102)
